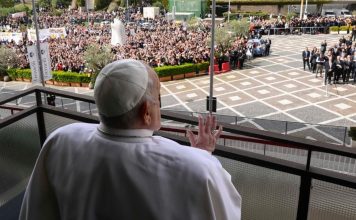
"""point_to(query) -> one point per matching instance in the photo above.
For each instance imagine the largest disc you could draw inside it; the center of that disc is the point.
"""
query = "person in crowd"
(306, 57)
(353, 33)
(329, 67)
(353, 68)
(320, 60)
(313, 56)
(323, 46)
(347, 69)
(120, 170)
(268, 46)
(339, 66)
(241, 58)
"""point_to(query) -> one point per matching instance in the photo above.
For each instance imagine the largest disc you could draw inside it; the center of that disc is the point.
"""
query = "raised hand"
(207, 134)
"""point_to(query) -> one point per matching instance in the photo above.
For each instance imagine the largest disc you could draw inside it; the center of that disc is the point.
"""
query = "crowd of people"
(158, 42)
(336, 63)
(288, 26)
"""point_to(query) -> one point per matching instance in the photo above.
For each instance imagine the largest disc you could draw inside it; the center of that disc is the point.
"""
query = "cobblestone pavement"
(274, 88)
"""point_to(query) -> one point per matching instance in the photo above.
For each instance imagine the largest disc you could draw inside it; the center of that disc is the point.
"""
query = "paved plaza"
(274, 87)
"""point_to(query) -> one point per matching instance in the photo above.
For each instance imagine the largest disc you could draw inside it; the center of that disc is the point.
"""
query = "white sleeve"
(224, 199)
(39, 201)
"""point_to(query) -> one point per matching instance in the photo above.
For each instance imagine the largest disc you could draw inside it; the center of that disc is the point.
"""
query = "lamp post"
(301, 9)
(212, 56)
(127, 10)
(87, 8)
(174, 10)
(306, 9)
(38, 46)
(228, 13)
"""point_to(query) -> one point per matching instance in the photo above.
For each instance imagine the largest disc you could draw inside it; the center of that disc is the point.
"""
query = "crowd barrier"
(294, 30)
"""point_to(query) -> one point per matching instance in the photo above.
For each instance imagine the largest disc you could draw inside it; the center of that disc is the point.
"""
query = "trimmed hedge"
(180, 69)
(203, 66)
(61, 76)
(175, 70)
(342, 28)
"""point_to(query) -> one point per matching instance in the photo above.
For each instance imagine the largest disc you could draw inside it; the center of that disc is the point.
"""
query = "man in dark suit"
(329, 65)
(323, 46)
(306, 56)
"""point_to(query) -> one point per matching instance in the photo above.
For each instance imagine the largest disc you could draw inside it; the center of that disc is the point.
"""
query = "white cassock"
(87, 172)
(118, 35)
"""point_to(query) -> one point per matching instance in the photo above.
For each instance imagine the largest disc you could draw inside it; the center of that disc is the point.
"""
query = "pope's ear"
(145, 113)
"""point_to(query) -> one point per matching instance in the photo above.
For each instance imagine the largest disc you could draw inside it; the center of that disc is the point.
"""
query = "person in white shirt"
(119, 170)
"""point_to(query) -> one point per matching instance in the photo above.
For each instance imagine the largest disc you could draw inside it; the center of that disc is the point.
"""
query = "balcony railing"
(278, 176)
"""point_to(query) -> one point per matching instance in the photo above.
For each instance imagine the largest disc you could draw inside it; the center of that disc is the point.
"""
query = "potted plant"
(352, 135)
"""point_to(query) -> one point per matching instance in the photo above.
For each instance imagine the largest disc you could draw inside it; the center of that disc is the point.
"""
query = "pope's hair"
(128, 119)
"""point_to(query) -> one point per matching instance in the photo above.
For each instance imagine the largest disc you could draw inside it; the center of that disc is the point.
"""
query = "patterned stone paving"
(274, 87)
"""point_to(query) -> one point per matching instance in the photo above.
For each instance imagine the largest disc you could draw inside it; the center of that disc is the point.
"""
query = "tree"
(44, 3)
(7, 3)
(101, 4)
(81, 3)
(195, 24)
(158, 4)
(290, 16)
(223, 39)
(9, 58)
(96, 57)
(239, 28)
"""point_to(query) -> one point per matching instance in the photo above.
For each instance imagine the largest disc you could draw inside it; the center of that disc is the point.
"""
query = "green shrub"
(175, 70)
(24, 73)
(21, 8)
(61, 76)
(7, 3)
(12, 73)
(84, 78)
(19, 73)
(342, 28)
(203, 66)
(3, 72)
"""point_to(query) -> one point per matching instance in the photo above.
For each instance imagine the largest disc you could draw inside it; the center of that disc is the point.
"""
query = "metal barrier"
(296, 30)
(275, 184)
(324, 133)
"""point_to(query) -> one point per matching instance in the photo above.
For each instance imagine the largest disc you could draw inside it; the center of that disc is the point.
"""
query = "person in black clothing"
(353, 36)
(241, 58)
(347, 69)
(353, 68)
(306, 57)
(268, 46)
(312, 61)
(329, 67)
(320, 63)
(220, 61)
(342, 41)
(323, 47)
(233, 58)
(339, 66)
